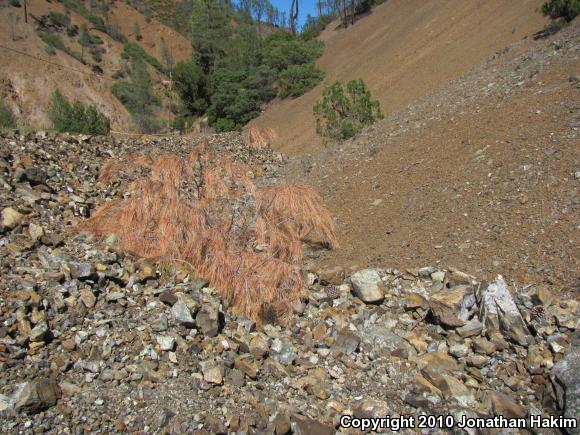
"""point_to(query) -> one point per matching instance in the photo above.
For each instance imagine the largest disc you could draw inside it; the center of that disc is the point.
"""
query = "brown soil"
(152, 31)
(481, 175)
(403, 50)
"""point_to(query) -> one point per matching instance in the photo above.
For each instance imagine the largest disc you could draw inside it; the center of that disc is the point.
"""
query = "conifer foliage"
(76, 117)
(237, 67)
(342, 114)
(567, 9)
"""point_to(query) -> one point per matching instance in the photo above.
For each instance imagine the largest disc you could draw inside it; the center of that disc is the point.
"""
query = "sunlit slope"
(405, 49)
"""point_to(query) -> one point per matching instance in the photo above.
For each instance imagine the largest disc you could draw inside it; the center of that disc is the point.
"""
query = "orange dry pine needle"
(207, 212)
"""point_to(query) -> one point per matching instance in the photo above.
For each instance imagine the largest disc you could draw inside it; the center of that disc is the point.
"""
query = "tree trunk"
(25, 11)
(293, 16)
(292, 28)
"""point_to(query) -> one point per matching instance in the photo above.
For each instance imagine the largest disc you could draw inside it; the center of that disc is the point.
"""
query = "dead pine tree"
(293, 16)
(320, 5)
(204, 211)
(259, 7)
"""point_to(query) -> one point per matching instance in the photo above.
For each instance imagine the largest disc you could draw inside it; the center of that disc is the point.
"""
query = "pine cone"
(332, 291)
(537, 313)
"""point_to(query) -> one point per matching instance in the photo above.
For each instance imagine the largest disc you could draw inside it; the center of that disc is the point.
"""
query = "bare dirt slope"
(152, 32)
(481, 175)
(27, 83)
(403, 50)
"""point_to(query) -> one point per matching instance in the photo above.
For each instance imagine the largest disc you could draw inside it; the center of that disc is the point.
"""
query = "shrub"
(72, 31)
(203, 211)
(129, 95)
(80, 8)
(6, 117)
(115, 33)
(181, 123)
(97, 69)
(552, 27)
(223, 124)
(366, 5)
(567, 9)
(97, 54)
(132, 50)
(297, 79)
(147, 123)
(341, 116)
(137, 31)
(76, 117)
(54, 41)
(50, 50)
(138, 97)
(15, 3)
(136, 94)
(59, 19)
(96, 21)
(87, 39)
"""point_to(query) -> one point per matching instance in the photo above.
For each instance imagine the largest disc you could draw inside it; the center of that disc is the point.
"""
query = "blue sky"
(305, 7)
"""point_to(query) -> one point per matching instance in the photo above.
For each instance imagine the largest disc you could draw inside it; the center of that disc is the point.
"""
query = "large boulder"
(11, 218)
(307, 426)
(452, 307)
(368, 286)
(33, 397)
(499, 313)
(566, 380)
(380, 339)
(209, 319)
(181, 314)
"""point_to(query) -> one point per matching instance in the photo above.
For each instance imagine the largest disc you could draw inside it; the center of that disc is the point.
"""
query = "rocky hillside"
(454, 291)
(26, 83)
(94, 339)
(482, 174)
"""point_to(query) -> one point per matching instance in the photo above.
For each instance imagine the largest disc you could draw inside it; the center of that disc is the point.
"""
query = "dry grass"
(129, 163)
(261, 138)
(204, 210)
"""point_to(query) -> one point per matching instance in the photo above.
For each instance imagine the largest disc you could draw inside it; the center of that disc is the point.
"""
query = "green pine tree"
(210, 31)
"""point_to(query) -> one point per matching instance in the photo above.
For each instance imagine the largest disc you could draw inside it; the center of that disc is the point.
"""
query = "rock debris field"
(95, 340)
